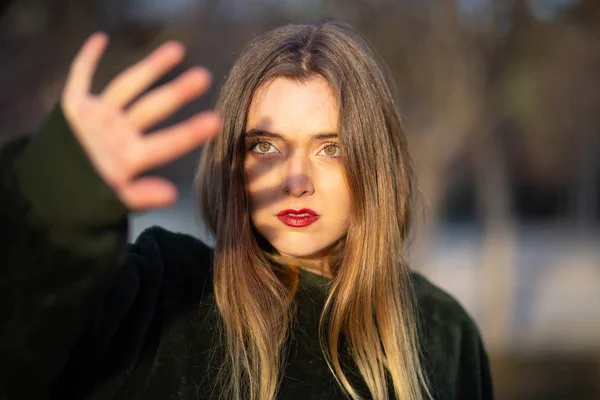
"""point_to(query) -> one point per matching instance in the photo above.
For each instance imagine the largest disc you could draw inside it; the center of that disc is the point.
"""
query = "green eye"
(263, 148)
(331, 150)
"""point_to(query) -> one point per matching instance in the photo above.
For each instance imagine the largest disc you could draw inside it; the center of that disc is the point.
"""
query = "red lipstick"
(298, 218)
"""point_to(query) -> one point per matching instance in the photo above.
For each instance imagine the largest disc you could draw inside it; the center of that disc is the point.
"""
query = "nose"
(297, 181)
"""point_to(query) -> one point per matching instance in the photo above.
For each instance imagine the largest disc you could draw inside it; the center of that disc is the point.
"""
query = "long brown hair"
(370, 300)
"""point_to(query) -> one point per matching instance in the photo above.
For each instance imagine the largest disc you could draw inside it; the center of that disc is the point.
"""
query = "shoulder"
(454, 357)
(172, 246)
(446, 328)
(437, 307)
(185, 261)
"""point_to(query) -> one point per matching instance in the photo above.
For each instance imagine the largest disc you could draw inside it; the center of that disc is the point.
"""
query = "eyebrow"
(262, 133)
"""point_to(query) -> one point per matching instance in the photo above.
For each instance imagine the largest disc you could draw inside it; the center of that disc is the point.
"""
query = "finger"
(148, 192)
(165, 100)
(85, 63)
(137, 78)
(170, 143)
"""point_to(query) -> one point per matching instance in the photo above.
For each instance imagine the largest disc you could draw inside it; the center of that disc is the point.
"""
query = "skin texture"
(110, 126)
(296, 170)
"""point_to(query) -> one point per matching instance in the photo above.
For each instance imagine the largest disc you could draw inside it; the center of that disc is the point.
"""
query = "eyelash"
(259, 141)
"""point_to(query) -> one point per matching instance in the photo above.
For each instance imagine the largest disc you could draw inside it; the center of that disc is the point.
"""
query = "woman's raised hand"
(109, 125)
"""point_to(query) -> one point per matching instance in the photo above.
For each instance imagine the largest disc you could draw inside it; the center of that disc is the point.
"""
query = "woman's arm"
(64, 197)
(63, 235)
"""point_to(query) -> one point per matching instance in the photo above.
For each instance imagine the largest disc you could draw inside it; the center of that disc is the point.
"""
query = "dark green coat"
(86, 315)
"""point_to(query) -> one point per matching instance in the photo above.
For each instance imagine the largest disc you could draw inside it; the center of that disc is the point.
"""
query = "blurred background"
(501, 103)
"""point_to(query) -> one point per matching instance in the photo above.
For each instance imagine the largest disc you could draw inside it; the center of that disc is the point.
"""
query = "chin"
(301, 246)
(295, 249)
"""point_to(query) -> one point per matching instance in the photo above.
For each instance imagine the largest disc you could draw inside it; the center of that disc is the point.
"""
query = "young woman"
(307, 188)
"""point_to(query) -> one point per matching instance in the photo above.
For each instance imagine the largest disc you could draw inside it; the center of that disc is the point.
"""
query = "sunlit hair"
(370, 301)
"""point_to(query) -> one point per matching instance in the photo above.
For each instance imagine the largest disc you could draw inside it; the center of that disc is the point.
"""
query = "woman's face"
(293, 163)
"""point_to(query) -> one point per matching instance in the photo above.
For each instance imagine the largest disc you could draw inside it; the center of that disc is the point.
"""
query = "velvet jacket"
(86, 315)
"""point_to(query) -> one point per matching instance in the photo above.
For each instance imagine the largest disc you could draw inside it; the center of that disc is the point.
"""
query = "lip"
(298, 222)
(300, 211)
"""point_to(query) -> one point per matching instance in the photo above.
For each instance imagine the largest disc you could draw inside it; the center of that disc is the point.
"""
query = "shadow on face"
(293, 162)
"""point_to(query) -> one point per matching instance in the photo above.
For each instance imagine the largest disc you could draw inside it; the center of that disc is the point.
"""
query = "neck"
(317, 265)
(326, 274)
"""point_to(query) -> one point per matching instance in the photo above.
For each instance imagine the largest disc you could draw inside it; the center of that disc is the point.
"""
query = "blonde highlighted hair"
(370, 301)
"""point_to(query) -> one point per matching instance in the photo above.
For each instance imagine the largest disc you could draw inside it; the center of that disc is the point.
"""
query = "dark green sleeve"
(63, 236)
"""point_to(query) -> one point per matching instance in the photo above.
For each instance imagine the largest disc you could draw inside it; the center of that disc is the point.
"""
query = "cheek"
(336, 192)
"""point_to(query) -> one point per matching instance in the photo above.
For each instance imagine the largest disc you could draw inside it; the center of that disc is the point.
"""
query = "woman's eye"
(264, 147)
(331, 150)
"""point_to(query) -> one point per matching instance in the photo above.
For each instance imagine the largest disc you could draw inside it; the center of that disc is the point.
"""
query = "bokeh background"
(501, 103)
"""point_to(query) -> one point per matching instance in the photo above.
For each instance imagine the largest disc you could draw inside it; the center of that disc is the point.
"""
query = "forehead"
(291, 107)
